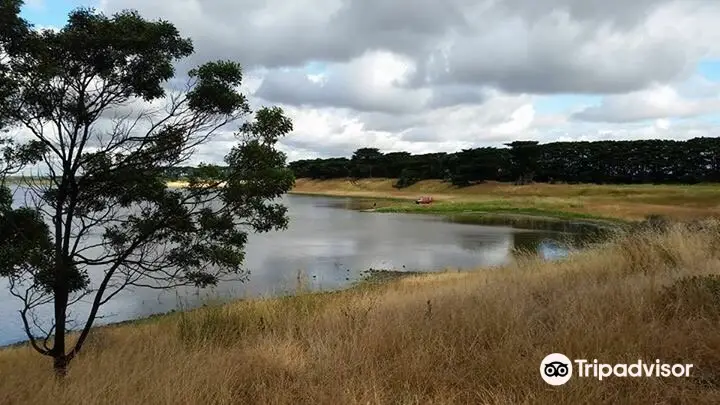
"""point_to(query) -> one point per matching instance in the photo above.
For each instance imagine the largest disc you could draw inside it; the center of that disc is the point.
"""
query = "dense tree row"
(645, 161)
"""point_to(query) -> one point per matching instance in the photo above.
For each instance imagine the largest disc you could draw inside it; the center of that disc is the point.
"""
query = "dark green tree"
(611, 162)
(365, 162)
(106, 125)
(13, 31)
(477, 165)
(407, 178)
(524, 156)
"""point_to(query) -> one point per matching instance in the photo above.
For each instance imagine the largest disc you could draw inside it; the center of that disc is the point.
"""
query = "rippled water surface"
(329, 246)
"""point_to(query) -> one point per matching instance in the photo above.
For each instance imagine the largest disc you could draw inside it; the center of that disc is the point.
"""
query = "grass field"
(587, 202)
(448, 338)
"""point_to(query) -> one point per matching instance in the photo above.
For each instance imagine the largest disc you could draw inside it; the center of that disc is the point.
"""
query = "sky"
(442, 75)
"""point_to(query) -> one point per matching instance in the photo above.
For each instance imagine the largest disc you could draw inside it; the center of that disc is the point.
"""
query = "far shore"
(16, 180)
(184, 184)
(537, 205)
(605, 204)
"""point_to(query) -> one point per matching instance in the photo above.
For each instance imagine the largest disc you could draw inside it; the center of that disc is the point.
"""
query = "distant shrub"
(695, 296)
(647, 252)
(654, 222)
(407, 178)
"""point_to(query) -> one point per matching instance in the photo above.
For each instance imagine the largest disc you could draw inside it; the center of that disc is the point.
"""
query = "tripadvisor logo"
(557, 369)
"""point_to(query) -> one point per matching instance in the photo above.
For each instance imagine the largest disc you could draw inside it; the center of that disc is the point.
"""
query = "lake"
(330, 247)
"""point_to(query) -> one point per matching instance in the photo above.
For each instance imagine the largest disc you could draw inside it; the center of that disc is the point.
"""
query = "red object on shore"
(424, 200)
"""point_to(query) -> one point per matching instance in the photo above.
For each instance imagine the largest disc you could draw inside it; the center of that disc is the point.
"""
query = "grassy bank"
(473, 337)
(501, 213)
(27, 181)
(598, 203)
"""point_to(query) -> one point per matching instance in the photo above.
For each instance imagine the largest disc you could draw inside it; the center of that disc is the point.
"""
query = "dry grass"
(627, 202)
(475, 337)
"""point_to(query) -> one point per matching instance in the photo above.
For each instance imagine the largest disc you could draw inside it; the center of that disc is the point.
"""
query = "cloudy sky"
(441, 75)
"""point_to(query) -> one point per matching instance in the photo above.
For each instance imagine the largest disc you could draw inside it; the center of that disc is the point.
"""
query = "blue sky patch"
(710, 69)
(50, 13)
(558, 104)
(315, 68)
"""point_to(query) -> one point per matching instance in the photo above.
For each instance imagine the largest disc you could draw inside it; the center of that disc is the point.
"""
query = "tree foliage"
(611, 162)
(105, 127)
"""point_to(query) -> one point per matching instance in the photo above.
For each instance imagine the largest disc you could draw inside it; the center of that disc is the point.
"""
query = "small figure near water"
(424, 200)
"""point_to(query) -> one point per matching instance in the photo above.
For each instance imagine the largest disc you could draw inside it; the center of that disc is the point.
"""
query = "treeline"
(201, 171)
(179, 172)
(608, 162)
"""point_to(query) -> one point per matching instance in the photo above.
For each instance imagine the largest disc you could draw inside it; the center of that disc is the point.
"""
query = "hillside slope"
(627, 202)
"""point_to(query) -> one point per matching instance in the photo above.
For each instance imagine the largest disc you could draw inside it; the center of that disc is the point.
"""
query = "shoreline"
(372, 279)
(601, 204)
(399, 204)
(468, 210)
(452, 207)
(490, 328)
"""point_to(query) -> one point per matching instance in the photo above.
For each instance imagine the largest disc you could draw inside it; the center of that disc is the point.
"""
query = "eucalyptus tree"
(99, 116)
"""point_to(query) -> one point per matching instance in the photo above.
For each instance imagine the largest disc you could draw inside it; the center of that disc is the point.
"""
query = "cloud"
(518, 45)
(440, 75)
(373, 82)
(444, 129)
(659, 102)
(367, 83)
(557, 54)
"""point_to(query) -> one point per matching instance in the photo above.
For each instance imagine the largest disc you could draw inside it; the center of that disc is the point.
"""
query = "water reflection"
(331, 248)
(550, 249)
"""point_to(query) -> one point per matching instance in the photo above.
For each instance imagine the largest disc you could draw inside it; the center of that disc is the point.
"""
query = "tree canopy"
(611, 162)
(96, 111)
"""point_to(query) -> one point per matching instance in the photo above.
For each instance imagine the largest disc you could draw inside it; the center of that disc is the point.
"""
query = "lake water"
(328, 245)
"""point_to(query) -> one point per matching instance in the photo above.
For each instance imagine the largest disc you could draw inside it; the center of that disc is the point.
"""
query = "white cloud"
(440, 75)
(371, 82)
(656, 102)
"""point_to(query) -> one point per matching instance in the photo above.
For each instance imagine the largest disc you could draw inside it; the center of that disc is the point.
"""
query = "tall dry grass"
(449, 338)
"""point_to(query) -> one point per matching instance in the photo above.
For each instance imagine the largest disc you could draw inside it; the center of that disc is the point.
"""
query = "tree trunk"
(60, 359)
(60, 364)
(525, 179)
